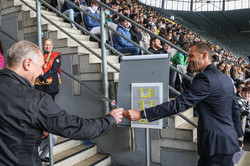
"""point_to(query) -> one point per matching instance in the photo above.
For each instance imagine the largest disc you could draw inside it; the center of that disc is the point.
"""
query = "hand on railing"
(117, 114)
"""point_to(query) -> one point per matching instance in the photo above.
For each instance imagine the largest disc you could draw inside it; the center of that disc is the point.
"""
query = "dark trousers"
(216, 160)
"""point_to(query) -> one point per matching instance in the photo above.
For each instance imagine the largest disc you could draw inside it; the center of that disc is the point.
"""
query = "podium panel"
(143, 81)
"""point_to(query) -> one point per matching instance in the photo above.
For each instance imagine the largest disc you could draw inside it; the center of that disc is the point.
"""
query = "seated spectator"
(215, 59)
(108, 16)
(183, 40)
(227, 70)
(145, 42)
(244, 106)
(165, 48)
(155, 45)
(163, 33)
(136, 35)
(1, 56)
(234, 73)
(221, 66)
(247, 84)
(154, 29)
(179, 58)
(239, 86)
(187, 83)
(114, 5)
(72, 12)
(92, 25)
(120, 43)
(176, 41)
(134, 17)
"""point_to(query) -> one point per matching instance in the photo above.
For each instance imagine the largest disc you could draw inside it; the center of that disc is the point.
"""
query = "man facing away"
(25, 112)
(219, 126)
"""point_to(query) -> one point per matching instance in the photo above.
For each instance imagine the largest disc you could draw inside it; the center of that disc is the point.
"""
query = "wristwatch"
(143, 114)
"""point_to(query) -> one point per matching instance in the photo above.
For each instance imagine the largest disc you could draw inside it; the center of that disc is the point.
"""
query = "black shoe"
(45, 159)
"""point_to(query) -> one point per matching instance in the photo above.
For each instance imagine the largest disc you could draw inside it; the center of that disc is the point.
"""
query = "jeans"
(71, 14)
(132, 50)
(44, 146)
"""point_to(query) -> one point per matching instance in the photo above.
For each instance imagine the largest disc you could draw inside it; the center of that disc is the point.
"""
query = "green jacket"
(179, 59)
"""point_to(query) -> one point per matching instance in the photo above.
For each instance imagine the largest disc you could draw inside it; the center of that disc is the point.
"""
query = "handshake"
(119, 113)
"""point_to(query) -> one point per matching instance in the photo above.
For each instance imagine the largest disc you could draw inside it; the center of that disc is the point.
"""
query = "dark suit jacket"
(219, 123)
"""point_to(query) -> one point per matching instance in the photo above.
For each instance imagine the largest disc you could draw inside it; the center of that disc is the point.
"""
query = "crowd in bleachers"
(177, 34)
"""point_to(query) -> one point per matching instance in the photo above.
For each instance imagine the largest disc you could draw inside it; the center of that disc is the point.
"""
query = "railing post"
(51, 150)
(39, 26)
(104, 59)
(39, 38)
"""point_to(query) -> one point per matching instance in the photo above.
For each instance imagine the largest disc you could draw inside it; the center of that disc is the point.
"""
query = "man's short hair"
(114, 3)
(152, 40)
(126, 15)
(203, 46)
(239, 83)
(246, 89)
(20, 51)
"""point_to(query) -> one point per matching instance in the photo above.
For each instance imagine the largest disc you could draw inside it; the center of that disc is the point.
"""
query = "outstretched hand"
(132, 115)
(117, 114)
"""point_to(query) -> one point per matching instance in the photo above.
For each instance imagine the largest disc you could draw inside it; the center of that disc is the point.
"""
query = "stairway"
(179, 135)
(85, 65)
(73, 153)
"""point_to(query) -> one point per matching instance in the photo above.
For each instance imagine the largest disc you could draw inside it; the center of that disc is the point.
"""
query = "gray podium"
(145, 69)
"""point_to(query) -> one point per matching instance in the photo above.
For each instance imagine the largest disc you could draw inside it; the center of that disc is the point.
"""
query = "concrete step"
(64, 145)
(158, 144)
(187, 126)
(110, 58)
(172, 133)
(96, 160)
(76, 50)
(74, 155)
(29, 22)
(13, 9)
(97, 77)
(189, 113)
(48, 27)
(60, 35)
(68, 42)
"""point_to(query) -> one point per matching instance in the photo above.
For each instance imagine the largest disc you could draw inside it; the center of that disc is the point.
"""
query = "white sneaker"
(74, 27)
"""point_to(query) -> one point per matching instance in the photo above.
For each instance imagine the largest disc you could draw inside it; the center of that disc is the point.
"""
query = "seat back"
(83, 7)
(111, 33)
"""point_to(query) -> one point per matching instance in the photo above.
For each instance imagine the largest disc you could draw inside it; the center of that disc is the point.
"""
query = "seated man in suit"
(219, 125)
(120, 43)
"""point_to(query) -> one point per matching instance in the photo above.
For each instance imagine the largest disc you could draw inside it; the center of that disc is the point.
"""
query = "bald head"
(20, 51)
(26, 59)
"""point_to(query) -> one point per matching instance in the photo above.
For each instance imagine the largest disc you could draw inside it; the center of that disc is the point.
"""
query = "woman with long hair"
(50, 80)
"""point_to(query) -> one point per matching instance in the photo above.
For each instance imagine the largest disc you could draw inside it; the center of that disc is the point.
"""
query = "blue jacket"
(219, 125)
(120, 42)
(67, 6)
(90, 22)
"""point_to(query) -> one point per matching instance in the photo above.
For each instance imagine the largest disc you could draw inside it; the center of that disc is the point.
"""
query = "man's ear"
(27, 64)
(204, 55)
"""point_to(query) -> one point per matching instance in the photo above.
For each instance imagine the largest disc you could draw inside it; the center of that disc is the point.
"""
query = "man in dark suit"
(219, 126)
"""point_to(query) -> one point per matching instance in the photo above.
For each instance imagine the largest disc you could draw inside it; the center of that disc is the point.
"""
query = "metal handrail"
(164, 40)
(72, 37)
(58, 12)
(135, 23)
